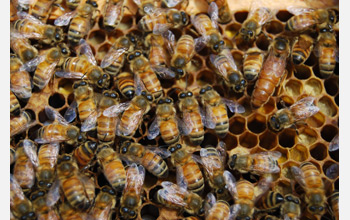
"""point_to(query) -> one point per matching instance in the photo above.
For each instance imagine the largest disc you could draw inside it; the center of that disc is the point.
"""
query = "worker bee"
(131, 201)
(287, 117)
(21, 207)
(84, 153)
(176, 197)
(113, 14)
(272, 72)
(82, 19)
(271, 201)
(21, 82)
(310, 179)
(227, 69)
(72, 4)
(112, 166)
(252, 63)
(67, 212)
(187, 169)
(15, 108)
(139, 64)
(217, 209)
(46, 170)
(290, 208)
(224, 13)
(326, 50)
(302, 49)
(146, 6)
(43, 211)
(335, 204)
(191, 116)
(75, 186)
(32, 28)
(161, 20)
(306, 18)
(114, 60)
(150, 158)
(215, 110)
(208, 28)
(126, 84)
(22, 47)
(104, 204)
(12, 154)
(24, 121)
(41, 9)
(26, 162)
(259, 163)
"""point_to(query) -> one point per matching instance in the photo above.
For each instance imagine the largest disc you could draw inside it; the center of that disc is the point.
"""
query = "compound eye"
(178, 146)
(182, 95)
(320, 208)
(111, 192)
(82, 83)
(128, 144)
(189, 94)
(64, 51)
(66, 158)
(216, 47)
(124, 150)
(41, 193)
(237, 87)
(132, 213)
(75, 86)
(172, 149)
(312, 208)
(209, 88)
(104, 76)
(94, 4)
(243, 82)
(167, 100)
(124, 209)
(202, 91)
(131, 57)
(220, 191)
(113, 95)
(143, 93)
(57, 36)
(323, 30)
(161, 101)
(149, 97)
(104, 189)
(201, 211)
(250, 33)
(296, 201)
(106, 94)
(100, 82)
(137, 53)
(132, 39)
(289, 198)
(31, 214)
(221, 42)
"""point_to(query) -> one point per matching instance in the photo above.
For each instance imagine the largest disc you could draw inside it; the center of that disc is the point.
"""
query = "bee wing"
(153, 130)
(23, 128)
(172, 3)
(304, 108)
(163, 72)
(185, 127)
(187, 120)
(32, 64)
(297, 10)
(135, 176)
(90, 122)
(84, 48)
(208, 117)
(139, 84)
(197, 159)
(50, 72)
(263, 185)
(163, 152)
(230, 59)
(25, 15)
(69, 75)
(220, 68)
(221, 149)
(112, 56)
(115, 110)
(16, 188)
(180, 178)
(137, 2)
(208, 163)
(200, 43)
(18, 35)
(30, 150)
(234, 211)
(210, 201)
(334, 144)
(64, 19)
(115, 10)
(298, 175)
(71, 113)
(134, 120)
(274, 155)
(332, 171)
(172, 193)
(213, 11)
(54, 115)
(230, 182)
(20, 91)
(53, 194)
(233, 106)
(170, 41)
(161, 28)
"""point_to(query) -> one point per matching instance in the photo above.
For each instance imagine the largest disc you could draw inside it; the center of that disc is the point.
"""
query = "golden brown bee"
(69, 213)
(252, 63)
(224, 13)
(150, 158)
(191, 116)
(21, 123)
(42, 8)
(126, 84)
(21, 207)
(15, 107)
(173, 196)
(187, 169)
(113, 14)
(271, 201)
(72, 4)
(73, 184)
(208, 28)
(306, 18)
(131, 201)
(326, 50)
(287, 117)
(33, 28)
(43, 211)
(161, 20)
(146, 6)
(302, 49)
(26, 162)
(12, 154)
(290, 209)
(114, 60)
(82, 19)
(215, 110)
(46, 170)
(308, 176)
(258, 163)
(112, 166)
(139, 64)
(22, 47)
(21, 82)
(335, 204)
(272, 72)
(84, 153)
(104, 204)
(217, 209)
(227, 69)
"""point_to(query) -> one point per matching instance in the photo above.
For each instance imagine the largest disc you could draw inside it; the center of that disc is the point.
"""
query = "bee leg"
(295, 127)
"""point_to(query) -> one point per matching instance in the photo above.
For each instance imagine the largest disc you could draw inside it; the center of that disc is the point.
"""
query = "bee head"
(246, 34)
(275, 123)
(232, 161)
(37, 194)
(174, 148)
(108, 190)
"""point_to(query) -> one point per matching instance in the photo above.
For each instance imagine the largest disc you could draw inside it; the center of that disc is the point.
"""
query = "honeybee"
(21, 123)
(273, 70)
(114, 60)
(224, 13)
(227, 69)
(26, 162)
(113, 14)
(161, 20)
(150, 158)
(112, 166)
(191, 116)
(41, 9)
(75, 186)
(139, 64)
(22, 5)
(259, 163)
(252, 63)
(32, 28)
(306, 18)
(310, 179)
(187, 169)
(46, 170)
(126, 84)
(173, 196)
(335, 204)
(69, 213)
(12, 154)
(290, 209)
(208, 28)
(271, 201)
(21, 207)
(131, 118)
(302, 49)
(217, 209)
(287, 117)
(215, 110)
(104, 204)
(43, 211)
(131, 201)
(146, 6)
(15, 108)
(82, 19)
(326, 50)
(22, 47)
(21, 82)
(84, 153)
(72, 4)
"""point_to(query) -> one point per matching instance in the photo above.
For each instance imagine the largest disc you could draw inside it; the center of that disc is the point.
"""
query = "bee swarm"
(248, 132)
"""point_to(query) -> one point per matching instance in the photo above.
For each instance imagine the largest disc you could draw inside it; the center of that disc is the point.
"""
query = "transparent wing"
(32, 64)
(139, 85)
(20, 129)
(65, 18)
(332, 171)
(15, 188)
(198, 25)
(184, 127)
(180, 178)
(25, 15)
(115, 110)
(200, 43)
(266, 156)
(49, 71)
(234, 209)
(14, 34)
(170, 41)
(263, 185)
(209, 164)
(210, 201)
(134, 121)
(188, 121)
(213, 11)
(115, 10)
(298, 175)
(233, 106)
(153, 130)
(20, 91)
(297, 10)
(163, 72)
(221, 149)
(135, 176)
(31, 151)
(172, 3)
(69, 75)
(230, 59)
(304, 108)
(71, 112)
(261, 14)
(161, 28)
(218, 65)
(230, 182)
(90, 122)
(172, 196)
(84, 48)
(208, 117)
(53, 194)
(112, 56)
(54, 115)
(197, 159)
(163, 152)
(334, 144)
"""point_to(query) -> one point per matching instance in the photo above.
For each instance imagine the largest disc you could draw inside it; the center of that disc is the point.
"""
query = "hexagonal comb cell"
(149, 212)
(268, 140)
(241, 16)
(293, 88)
(230, 141)
(318, 151)
(332, 86)
(287, 138)
(328, 132)
(307, 136)
(331, 169)
(205, 77)
(232, 29)
(57, 100)
(327, 106)
(274, 27)
(102, 51)
(313, 87)
(248, 140)
(283, 15)
(257, 123)
(237, 125)
(302, 72)
(316, 120)
(299, 153)
(286, 171)
(284, 154)
(97, 37)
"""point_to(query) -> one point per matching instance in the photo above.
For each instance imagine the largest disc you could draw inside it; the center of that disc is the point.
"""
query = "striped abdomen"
(115, 173)
(263, 164)
(252, 63)
(244, 190)
(74, 191)
(41, 9)
(15, 108)
(151, 82)
(125, 124)
(302, 49)
(157, 55)
(148, 22)
(197, 133)
(327, 61)
(23, 170)
(53, 132)
(29, 27)
(154, 164)
(23, 48)
(193, 176)
(184, 49)
(271, 200)
(115, 67)
(312, 176)
(300, 22)
(126, 84)
(86, 108)
(84, 153)
(47, 157)
(221, 119)
(114, 13)
(169, 131)
(220, 210)
(78, 28)
(18, 123)
(42, 75)
(335, 204)
(106, 128)
(76, 64)
(204, 21)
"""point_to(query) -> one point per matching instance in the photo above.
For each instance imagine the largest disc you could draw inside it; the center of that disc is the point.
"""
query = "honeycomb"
(248, 132)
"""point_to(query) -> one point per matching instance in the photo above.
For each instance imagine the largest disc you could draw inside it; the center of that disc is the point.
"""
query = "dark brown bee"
(271, 201)
(84, 153)
(126, 84)
(335, 204)
(302, 49)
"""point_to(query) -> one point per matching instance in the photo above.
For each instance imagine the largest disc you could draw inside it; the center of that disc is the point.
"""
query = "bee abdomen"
(75, 193)
(169, 132)
(155, 165)
(194, 177)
